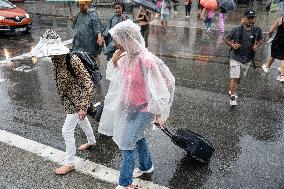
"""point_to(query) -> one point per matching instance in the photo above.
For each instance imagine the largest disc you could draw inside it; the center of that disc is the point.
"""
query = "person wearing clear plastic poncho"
(141, 91)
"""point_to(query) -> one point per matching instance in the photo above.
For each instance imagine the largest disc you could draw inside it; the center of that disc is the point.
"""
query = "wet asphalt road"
(28, 171)
(248, 139)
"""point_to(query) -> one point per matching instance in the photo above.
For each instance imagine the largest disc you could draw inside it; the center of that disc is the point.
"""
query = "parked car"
(13, 19)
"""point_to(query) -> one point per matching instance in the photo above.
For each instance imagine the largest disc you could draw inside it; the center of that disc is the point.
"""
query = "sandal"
(64, 169)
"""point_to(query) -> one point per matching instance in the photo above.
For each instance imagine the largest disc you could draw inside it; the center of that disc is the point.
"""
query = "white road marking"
(87, 167)
(2, 80)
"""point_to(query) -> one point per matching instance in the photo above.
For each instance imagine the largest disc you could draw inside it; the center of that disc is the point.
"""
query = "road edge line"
(84, 166)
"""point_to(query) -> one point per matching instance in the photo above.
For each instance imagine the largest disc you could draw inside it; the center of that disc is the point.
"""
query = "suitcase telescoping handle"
(166, 131)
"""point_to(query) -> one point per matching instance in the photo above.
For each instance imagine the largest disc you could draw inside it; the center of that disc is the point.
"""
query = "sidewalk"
(104, 10)
(61, 9)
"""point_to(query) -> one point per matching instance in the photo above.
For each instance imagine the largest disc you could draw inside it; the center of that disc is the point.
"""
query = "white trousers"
(68, 129)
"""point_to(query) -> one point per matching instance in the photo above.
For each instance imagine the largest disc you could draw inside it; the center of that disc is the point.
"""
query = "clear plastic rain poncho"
(141, 86)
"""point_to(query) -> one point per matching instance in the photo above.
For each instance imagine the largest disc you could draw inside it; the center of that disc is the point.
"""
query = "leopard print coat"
(75, 93)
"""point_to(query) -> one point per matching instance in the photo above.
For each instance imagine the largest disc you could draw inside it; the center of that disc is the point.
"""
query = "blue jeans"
(128, 158)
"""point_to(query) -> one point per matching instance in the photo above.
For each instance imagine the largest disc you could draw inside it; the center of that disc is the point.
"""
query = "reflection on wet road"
(248, 139)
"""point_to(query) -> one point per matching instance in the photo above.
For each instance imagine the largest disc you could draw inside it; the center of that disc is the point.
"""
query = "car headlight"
(27, 15)
(2, 17)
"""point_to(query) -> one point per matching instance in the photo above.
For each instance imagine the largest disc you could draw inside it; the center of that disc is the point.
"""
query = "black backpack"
(89, 64)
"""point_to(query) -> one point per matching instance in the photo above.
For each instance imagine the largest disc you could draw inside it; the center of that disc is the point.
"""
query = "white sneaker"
(270, 40)
(235, 94)
(132, 186)
(208, 30)
(137, 172)
(265, 68)
(233, 101)
(280, 78)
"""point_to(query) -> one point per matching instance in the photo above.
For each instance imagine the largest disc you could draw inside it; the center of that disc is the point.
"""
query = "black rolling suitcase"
(196, 145)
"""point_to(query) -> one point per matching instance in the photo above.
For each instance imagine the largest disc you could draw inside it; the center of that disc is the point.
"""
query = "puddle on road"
(22, 64)
(24, 69)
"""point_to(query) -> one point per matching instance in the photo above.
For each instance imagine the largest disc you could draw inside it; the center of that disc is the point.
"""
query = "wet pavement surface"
(29, 171)
(248, 138)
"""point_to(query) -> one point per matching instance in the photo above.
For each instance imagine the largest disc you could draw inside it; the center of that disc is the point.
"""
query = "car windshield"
(6, 4)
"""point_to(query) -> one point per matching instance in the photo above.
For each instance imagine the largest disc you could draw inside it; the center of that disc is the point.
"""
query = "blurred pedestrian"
(175, 7)
(277, 47)
(209, 18)
(281, 7)
(159, 6)
(165, 13)
(128, 7)
(88, 31)
(144, 17)
(116, 18)
(187, 4)
(93, 6)
(244, 41)
(200, 8)
(268, 5)
(141, 91)
(75, 94)
(222, 17)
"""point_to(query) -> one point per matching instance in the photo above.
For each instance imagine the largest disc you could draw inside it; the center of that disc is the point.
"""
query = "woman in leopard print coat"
(75, 94)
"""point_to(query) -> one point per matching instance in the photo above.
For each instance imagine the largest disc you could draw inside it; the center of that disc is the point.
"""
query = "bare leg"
(282, 67)
(87, 128)
(85, 146)
(270, 62)
(162, 23)
(233, 86)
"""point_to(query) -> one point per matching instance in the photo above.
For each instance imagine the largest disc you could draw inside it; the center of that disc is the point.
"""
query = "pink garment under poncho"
(138, 91)
(210, 13)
